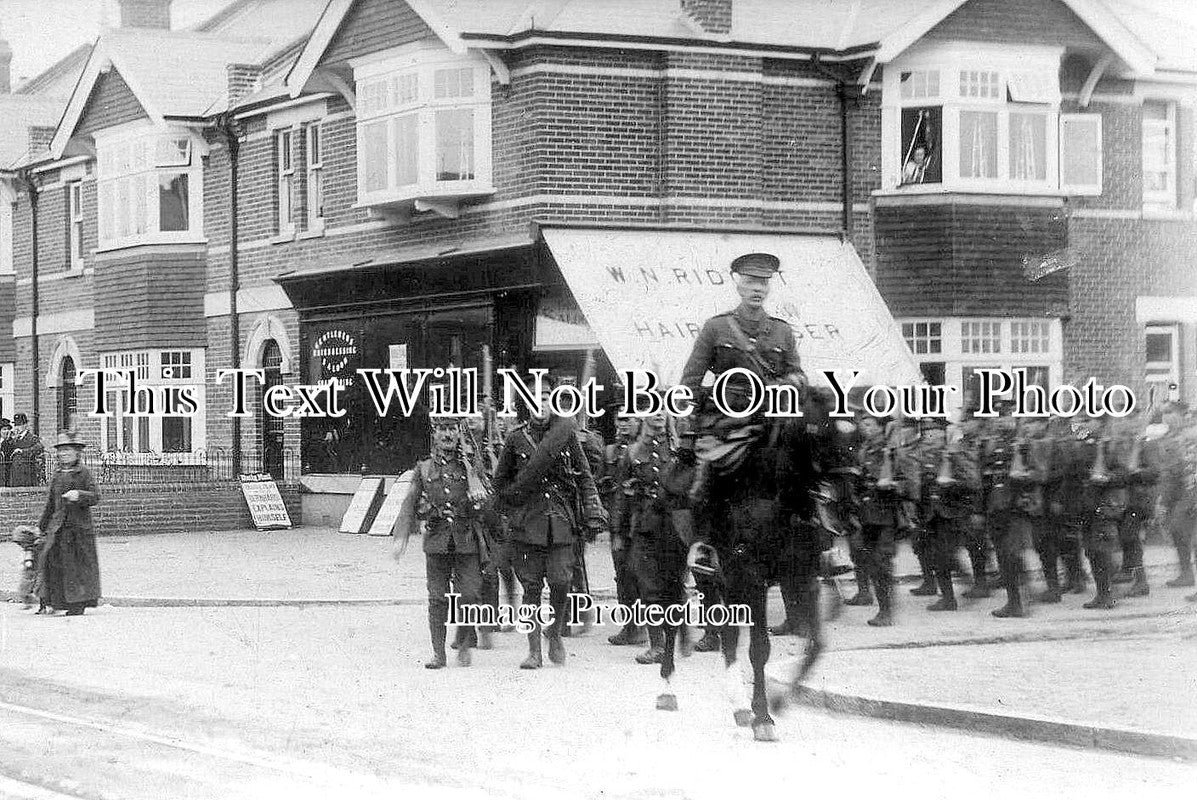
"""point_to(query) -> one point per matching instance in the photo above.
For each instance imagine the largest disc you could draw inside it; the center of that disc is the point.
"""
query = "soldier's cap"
(1004, 405)
(69, 439)
(442, 421)
(757, 265)
(4, 424)
(933, 423)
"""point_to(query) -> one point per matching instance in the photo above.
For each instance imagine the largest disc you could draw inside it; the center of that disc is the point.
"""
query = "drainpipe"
(31, 186)
(841, 90)
(230, 129)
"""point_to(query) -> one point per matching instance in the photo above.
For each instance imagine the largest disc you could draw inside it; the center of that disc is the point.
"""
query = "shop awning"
(646, 293)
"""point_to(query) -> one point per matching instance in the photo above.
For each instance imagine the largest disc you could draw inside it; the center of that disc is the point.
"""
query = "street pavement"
(294, 701)
(295, 695)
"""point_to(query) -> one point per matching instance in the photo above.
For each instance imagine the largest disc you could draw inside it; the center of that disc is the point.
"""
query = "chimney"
(715, 16)
(145, 14)
(242, 81)
(5, 67)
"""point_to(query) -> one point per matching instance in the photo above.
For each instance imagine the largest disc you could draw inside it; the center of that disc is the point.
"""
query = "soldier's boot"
(709, 643)
(485, 640)
(927, 588)
(1011, 579)
(628, 634)
(1078, 582)
(436, 631)
(1186, 577)
(655, 653)
(1104, 599)
(1051, 577)
(885, 603)
(980, 588)
(864, 595)
(464, 654)
(534, 659)
(947, 600)
(1138, 587)
(556, 649)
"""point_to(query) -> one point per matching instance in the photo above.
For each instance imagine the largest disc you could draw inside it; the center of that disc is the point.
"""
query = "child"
(29, 539)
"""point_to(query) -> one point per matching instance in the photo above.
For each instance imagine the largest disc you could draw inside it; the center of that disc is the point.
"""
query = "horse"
(761, 521)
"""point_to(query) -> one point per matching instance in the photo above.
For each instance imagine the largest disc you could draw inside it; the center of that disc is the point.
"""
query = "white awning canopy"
(646, 294)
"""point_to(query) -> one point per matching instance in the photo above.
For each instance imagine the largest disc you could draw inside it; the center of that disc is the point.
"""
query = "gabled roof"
(173, 74)
(1109, 26)
(60, 77)
(881, 28)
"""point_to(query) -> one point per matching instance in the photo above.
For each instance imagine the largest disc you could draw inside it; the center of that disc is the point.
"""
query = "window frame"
(314, 177)
(139, 145)
(75, 223)
(7, 388)
(284, 185)
(382, 81)
(1091, 189)
(1034, 70)
(1166, 372)
(1167, 198)
(140, 440)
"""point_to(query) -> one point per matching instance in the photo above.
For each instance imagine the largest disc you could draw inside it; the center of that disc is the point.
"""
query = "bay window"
(950, 349)
(978, 118)
(150, 187)
(285, 188)
(423, 126)
(135, 427)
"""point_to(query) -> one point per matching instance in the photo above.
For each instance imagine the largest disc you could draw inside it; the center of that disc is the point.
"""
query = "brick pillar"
(242, 81)
(145, 14)
(715, 16)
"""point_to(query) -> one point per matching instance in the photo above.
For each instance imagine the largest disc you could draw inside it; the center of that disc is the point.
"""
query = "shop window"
(1030, 336)
(1159, 153)
(150, 188)
(423, 127)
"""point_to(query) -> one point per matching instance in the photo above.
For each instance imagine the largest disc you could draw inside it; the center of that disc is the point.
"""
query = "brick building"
(416, 180)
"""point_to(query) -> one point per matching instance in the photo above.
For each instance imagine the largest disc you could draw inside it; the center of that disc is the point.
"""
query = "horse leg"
(733, 680)
(667, 700)
(763, 729)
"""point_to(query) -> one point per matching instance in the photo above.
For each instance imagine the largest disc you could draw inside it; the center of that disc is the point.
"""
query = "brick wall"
(172, 508)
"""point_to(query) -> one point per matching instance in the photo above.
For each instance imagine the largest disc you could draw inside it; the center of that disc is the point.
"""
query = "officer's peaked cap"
(757, 265)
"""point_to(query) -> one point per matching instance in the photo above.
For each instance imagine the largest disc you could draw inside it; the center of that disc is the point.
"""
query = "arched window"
(67, 404)
(271, 428)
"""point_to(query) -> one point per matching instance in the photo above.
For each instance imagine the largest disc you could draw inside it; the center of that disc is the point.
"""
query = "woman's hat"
(19, 418)
(69, 439)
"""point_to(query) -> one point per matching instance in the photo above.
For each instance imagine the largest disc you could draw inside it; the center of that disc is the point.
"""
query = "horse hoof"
(764, 732)
(743, 717)
(667, 702)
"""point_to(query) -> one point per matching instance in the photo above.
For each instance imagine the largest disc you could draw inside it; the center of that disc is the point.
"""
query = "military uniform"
(1142, 494)
(453, 527)
(658, 555)
(1105, 500)
(1013, 474)
(719, 348)
(979, 435)
(592, 447)
(1065, 494)
(881, 515)
(544, 482)
(945, 509)
(1178, 497)
(626, 588)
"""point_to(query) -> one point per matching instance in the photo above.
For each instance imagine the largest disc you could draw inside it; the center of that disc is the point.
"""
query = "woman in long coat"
(70, 568)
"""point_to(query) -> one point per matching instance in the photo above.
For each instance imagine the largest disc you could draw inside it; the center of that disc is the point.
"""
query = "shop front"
(631, 298)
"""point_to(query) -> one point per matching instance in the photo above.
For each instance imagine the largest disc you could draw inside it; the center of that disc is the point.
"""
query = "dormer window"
(423, 127)
(150, 188)
(972, 118)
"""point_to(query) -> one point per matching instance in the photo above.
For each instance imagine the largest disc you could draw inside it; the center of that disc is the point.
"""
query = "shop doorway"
(271, 427)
